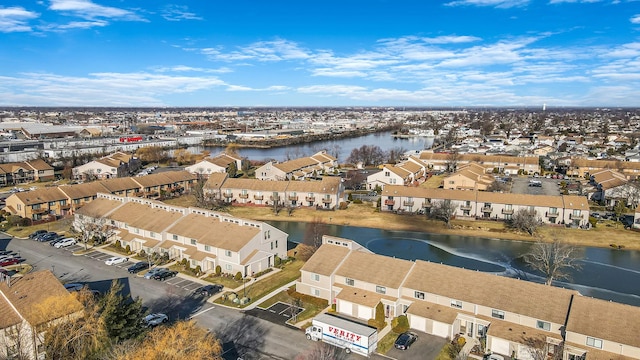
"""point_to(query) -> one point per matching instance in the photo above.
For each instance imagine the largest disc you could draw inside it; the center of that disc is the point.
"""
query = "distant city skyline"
(414, 53)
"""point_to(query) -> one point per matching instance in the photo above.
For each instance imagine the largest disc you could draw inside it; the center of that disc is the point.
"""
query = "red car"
(8, 262)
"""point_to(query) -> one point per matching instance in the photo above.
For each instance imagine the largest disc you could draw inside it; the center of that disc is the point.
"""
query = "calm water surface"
(607, 273)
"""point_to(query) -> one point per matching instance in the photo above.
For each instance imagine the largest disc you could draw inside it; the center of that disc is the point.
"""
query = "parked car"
(165, 274)
(65, 242)
(50, 236)
(6, 252)
(137, 267)
(208, 290)
(149, 274)
(152, 320)
(8, 256)
(11, 261)
(36, 233)
(116, 260)
(56, 240)
(405, 340)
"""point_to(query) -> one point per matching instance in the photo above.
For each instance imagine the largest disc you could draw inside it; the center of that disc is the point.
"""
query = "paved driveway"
(427, 347)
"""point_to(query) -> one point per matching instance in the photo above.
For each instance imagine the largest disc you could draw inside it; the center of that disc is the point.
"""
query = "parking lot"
(178, 281)
(549, 186)
(278, 313)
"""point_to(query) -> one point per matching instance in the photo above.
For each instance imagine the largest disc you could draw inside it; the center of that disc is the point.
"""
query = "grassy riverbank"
(365, 215)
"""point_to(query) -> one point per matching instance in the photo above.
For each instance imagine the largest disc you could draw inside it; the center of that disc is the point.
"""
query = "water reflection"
(606, 273)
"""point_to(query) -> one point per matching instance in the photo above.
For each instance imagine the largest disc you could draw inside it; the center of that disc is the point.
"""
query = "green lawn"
(61, 227)
(386, 343)
(258, 289)
(311, 308)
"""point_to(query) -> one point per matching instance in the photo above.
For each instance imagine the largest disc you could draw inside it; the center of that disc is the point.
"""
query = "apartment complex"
(66, 199)
(471, 176)
(503, 164)
(24, 172)
(326, 193)
(508, 314)
(116, 165)
(205, 238)
(563, 209)
(585, 167)
(306, 167)
(28, 306)
(217, 164)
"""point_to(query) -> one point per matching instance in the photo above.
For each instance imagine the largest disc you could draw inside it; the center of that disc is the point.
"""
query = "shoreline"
(366, 216)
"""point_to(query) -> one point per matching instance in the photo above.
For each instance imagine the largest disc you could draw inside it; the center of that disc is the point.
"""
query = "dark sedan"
(208, 290)
(36, 233)
(163, 275)
(137, 267)
(405, 340)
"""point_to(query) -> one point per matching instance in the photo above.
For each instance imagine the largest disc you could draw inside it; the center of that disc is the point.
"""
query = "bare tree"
(367, 155)
(554, 260)
(452, 161)
(443, 210)
(526, 220)
(94, 228)
(394, 155)
(312, 238)
(539, 348)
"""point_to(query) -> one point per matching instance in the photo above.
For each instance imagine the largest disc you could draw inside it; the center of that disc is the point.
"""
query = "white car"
(116, 260)
(152, 320)
(65, 242)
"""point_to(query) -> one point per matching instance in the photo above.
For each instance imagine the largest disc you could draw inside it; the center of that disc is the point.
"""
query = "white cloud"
(15, 19)
(635, 19)
(103, 89)
(178, 13)
(88, 10)
(493, 3)
(184, 68)
(276, 50)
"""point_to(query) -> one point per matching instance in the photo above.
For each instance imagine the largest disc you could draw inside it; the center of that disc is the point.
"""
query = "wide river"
(342, 147)
(606, 273)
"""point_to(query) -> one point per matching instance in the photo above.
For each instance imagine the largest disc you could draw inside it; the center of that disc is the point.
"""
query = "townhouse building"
(326, 193)
(27, 312)
(205, 238)
(503, 164)
(612, 187)
(514, 318)
(115, 165)
(217, 164)
(471, 176)
(409, 172)
(581, 167)
(563, 209)
(24, 172)
(53, 202)
(312, 166)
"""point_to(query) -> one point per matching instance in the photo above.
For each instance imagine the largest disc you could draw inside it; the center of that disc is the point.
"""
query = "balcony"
(426, 204)
(293, 198)
(327, 200)
(408, 203)
(507, 211)
(258, 197)
(39, 211)
(576, 216)
(465, 207)
(487, 209)
(274, 198)
(65, 207)
(552, 214)
(310, 199)
(243, 196)
(390, 202)
(228, 195)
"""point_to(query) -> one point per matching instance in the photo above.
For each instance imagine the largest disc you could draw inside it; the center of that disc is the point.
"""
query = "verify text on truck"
(346, 334)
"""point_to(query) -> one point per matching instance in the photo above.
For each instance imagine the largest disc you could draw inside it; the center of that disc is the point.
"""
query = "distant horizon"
(311, 107)
(329, 53)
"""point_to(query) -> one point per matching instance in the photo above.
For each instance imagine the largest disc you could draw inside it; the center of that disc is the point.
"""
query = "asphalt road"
(254, 338)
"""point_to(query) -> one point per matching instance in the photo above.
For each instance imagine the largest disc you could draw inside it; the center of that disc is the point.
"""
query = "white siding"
(418, 323)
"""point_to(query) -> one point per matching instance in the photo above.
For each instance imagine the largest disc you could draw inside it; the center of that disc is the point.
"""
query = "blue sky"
(320, 53)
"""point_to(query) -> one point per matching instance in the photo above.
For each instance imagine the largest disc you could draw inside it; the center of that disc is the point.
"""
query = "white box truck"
(346, 334)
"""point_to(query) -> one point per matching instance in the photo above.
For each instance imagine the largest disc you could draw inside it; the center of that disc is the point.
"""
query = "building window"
(349, 282)
(381, 289)
(207, 248)
(418, 295)
(497, 314)
(456, 304)
(227, 252)
(316, 292)
(228, 267)
(272, 245)
(152, 234)
(276, 244)
(543, 325)
(175, 237)
(387, 173)
(193, 242)
(315, 277)
(596, 343)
